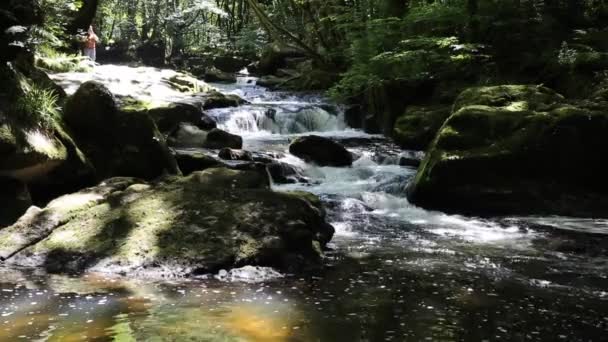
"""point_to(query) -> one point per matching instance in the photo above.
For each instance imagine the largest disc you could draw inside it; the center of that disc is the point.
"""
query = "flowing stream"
(394, 272)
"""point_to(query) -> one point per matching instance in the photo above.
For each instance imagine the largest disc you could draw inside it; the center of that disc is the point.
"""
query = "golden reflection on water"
(247, 322)
(98, 308)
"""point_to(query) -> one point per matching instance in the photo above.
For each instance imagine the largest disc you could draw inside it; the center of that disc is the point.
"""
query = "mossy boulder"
(92, 108)
(169, 117)
(417, 127)
(215, 99)
(517, 149)
(188, 84)
(321, 151)
(118, 142)
(211, 220)
(215, 75)
(29, 154)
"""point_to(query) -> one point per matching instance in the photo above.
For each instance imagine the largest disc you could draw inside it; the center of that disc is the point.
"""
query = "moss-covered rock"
(215, 99)
(211, 220)
(516, 149)
(29, 154)
(417, 127)
(188, 84)
(215, 75)
(118, 142)
(169, 117)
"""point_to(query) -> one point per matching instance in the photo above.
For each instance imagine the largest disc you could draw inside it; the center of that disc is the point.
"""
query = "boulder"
(230, 154)
(118, 142)
(29, 154)
(15, 199)
(321, 151)
(190, 162)
(188, 84)
(188, 136)
(517, 149)
(282, 173)
(92, 108)
(169, 118)
(215, 99)
(417, 127)
(215, 75)
(211, 220)
(218, 139)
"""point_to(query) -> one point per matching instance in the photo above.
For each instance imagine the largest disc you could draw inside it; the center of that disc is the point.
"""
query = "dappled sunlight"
(42, 143)
(143, 83)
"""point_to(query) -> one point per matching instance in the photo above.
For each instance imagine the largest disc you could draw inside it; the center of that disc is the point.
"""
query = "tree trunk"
(84, 16)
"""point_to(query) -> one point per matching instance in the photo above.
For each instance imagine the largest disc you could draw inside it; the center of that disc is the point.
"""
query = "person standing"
(90, 44)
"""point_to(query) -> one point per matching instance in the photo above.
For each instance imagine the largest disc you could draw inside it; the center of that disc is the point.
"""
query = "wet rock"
(188, 135)
(117, 142)
(270, 113)
(282, 173)
(230, 154)
(190, 162)
(215, 75)
(216, 99)
(14, 200)
(517, 149)
(321, 151)
(168, 118)
(212, 220)
(218, 139)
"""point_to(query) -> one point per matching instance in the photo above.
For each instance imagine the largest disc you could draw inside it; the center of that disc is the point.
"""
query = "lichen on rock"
(211, 220)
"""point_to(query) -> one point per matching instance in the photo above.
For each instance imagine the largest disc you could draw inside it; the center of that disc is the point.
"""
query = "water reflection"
(395, 272)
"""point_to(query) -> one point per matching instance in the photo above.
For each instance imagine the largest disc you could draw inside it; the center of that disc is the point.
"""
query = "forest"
(303, 170)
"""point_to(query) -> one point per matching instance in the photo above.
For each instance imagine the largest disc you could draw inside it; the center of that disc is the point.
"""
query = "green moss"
(60, 62)
(417, 127)
(188, 84)
(538, 98)
(509, 153)
(215, 219)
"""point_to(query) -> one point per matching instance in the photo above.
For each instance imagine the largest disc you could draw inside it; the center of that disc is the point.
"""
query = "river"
(394, 272)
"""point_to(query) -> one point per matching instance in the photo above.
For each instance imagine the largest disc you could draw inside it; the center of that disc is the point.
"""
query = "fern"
(37, 107)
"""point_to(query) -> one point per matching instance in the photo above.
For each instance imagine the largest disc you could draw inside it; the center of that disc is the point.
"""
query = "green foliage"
(58, 13)
(54, 61)
(412, 60)
(37, 107)
(440, 18)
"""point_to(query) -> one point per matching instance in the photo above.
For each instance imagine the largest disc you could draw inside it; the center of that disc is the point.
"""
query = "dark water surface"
(395, 272)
